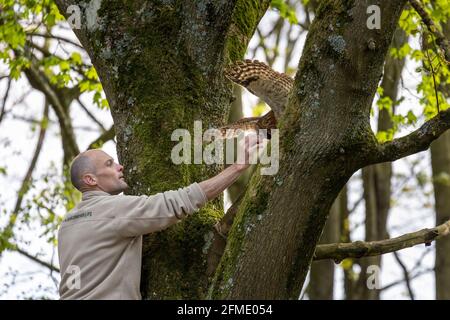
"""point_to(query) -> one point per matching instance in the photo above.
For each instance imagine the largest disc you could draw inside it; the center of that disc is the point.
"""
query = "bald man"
(100, 240)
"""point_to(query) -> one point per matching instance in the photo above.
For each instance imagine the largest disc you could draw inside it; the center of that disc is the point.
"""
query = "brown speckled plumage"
(269, 85)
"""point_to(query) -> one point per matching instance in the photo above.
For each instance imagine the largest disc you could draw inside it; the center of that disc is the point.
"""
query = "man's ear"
(89, 179)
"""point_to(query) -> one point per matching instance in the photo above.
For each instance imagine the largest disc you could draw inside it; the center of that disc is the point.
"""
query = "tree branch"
(35, 259)
(8, 229)
(40, 82)
(441, 41)
(50, 36)
(397, 282)
(405, 275)
(359, 249)
(5, 97)
(90, 115)
(414, 142)
(220, 233)
(104, 137)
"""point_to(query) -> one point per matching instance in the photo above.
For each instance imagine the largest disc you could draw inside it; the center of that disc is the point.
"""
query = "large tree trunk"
(440, 162)
(325, 138)
(161, 66)
(321, 276)
(377, 178)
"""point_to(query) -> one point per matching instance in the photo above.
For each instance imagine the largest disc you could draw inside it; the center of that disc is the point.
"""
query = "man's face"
(109, 175)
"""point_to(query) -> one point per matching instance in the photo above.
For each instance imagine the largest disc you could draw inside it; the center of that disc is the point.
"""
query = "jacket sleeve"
(145, 214)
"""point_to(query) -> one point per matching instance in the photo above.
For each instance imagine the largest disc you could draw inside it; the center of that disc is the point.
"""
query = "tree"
(440, 163)
(161, 65)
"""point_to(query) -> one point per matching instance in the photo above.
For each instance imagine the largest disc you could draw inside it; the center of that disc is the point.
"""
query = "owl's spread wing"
(233, 130)
(269, 85)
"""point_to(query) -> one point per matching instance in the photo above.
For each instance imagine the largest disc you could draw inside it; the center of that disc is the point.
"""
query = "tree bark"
(440, 163)
(321, 276)
(161, 67)
(326, 137)
(377, 178)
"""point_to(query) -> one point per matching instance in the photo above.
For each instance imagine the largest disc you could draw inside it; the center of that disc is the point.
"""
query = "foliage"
(434, 71)
(25, 24)
(285, 10)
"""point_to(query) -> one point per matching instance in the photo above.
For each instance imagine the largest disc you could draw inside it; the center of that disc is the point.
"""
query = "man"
(100, 240)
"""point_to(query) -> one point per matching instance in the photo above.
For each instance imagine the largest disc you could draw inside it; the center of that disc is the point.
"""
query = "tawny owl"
(269, 85)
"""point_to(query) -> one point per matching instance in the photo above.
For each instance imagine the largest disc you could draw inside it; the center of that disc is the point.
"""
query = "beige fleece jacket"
(100, 240)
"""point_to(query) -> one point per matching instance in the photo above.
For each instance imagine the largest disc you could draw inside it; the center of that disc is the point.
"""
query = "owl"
(269, 85)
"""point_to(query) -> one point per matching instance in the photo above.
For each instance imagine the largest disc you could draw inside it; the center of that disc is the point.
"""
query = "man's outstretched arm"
(217, 184)
(146, 214)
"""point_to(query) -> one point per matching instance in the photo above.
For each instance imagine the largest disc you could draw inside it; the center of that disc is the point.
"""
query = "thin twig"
(90, 115)
(28, 176)
(5, 98)
(50, 36)
(35, 259)
(405, 275)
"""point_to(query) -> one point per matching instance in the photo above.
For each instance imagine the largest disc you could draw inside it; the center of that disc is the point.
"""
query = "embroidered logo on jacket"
(77, 215)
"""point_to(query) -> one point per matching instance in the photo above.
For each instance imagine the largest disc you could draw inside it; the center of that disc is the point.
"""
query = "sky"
(412, 207)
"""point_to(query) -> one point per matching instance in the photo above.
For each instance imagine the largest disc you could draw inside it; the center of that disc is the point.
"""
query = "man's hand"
(216, 185)
(247, 151)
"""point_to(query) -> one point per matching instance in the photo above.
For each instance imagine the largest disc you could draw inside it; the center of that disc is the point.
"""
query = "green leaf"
(64, 65)
(412, 119)
(76, 58)
(285, 10)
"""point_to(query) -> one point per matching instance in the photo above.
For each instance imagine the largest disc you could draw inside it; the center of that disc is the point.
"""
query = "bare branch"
(35, 259)
(5, 97)
(40, 82)
(441, 41)
(104, 137)
(359, 249)
(51, 36)
(220, 233)
(414, 276)
(90, 115)
(405, 275)
(414, 142)
(7, 230)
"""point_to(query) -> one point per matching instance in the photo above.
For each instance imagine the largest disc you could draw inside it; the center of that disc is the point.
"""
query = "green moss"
(252, 211)
(158, 88)
(245, 19)
(177, 254)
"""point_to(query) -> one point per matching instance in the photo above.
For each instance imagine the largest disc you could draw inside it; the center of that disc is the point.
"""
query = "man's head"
(96, 170)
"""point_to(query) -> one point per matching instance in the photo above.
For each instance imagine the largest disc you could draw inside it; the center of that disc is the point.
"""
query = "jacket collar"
(91, 194)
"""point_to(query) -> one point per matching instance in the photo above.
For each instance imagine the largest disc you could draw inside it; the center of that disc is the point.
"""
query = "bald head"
(96, 170)
(81, 165)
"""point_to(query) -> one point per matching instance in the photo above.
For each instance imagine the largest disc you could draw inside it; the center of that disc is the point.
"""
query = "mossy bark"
(326, 137)
(321, 276)
(161, 66)
(377, 178)
(440, 163)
